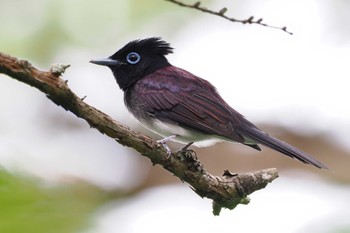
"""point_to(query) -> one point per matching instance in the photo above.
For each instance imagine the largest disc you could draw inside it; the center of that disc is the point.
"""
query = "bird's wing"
(201, 111)
(189, 103)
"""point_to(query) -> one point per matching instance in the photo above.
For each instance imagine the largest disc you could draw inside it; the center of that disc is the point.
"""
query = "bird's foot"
(163, 141)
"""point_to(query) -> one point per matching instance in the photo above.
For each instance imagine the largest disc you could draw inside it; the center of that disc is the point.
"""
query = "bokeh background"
(58, 175)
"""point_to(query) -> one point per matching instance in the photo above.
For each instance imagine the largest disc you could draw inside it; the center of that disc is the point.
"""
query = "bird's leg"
(163, 141)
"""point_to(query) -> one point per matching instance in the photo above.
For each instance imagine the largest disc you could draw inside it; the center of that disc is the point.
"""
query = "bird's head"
(137, 59)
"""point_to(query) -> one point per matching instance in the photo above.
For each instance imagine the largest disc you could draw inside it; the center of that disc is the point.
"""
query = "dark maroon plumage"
(172, 101)
(178, 97)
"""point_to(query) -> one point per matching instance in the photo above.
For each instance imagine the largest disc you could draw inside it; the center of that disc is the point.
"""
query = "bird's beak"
(105, 62)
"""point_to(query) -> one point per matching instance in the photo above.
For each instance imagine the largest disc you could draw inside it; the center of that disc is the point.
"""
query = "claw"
(163, 141)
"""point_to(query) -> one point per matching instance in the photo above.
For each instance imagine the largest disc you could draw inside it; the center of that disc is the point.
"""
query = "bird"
(180, 106)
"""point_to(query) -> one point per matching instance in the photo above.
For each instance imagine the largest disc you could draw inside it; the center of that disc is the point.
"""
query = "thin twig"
(221, 13)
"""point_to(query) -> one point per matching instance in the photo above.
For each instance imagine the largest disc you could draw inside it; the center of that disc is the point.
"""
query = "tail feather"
(262, 138)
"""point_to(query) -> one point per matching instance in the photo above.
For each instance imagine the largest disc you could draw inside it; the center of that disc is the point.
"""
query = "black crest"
(150, 45)
(148, 55)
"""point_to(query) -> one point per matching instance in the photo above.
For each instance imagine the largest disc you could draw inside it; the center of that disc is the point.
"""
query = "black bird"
(181, 106)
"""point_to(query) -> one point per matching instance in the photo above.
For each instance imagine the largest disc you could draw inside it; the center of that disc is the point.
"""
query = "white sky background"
(287, 205)
(301, 81)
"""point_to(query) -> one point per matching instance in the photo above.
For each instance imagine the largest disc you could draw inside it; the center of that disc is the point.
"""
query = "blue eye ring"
(133, 58)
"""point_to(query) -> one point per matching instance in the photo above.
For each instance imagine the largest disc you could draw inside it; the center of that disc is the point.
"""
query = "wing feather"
(182, 99)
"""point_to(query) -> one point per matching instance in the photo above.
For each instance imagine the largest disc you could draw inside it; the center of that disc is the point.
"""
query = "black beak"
(106, 62)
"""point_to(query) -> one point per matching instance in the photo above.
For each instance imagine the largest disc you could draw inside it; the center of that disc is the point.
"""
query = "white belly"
(183, 135)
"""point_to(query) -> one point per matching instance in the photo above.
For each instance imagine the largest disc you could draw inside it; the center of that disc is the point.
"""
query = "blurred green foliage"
(28, 206)
(39, 30)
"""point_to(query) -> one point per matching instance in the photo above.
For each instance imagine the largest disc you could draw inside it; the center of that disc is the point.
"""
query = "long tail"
(261, 137)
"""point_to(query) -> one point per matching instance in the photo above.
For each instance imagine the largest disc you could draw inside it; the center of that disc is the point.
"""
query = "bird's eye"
(133, 58)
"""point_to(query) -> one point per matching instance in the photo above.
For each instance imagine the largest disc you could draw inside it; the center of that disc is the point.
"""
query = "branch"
(226, 192)
(221, 13)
